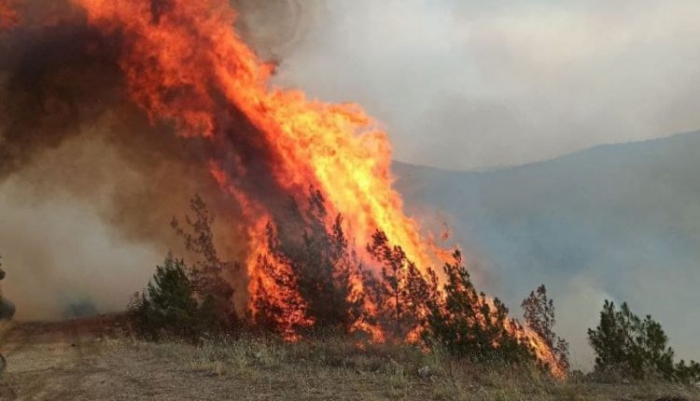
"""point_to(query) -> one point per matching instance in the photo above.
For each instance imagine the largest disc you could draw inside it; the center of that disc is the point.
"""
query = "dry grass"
(339, 369)
(97, 359)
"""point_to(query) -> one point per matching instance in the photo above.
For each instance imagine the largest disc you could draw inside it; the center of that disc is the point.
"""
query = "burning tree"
(469, 324)
(312, 265)
(180, 65)
(539, 316)
(404, 297)
(8, 16)
(308, 258)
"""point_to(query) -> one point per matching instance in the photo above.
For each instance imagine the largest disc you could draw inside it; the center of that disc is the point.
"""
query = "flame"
(8, 15)
(183, 63)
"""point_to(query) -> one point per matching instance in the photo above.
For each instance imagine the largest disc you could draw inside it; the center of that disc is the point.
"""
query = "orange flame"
(8, 15)
(184, 63)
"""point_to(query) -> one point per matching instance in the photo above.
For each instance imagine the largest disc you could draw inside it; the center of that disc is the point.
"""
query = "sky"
(464, 84)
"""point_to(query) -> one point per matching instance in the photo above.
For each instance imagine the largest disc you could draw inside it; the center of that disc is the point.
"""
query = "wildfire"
(8, 15)
(183, 63)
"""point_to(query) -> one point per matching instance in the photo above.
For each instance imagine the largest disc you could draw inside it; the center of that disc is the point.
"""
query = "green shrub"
(468, 325)
(7, 308)
(168, 305)
(636, 348)
(188, 300)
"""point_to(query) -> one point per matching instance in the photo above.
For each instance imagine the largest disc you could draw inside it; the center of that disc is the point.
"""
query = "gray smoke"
(88, 184)
(467, 84)
(275, 28)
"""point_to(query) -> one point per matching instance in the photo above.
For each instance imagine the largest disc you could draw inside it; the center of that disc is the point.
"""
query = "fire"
(184, 64)
(8, 16)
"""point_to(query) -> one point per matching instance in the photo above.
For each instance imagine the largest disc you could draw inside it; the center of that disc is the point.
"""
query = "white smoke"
(474, 84)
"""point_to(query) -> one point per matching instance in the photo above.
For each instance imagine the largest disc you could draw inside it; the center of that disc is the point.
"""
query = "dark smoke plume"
(69, 135)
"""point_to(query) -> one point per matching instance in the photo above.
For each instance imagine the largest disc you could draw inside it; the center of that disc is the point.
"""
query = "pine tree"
(469, 325)
(401, 291)
(635, 347)
(168, 304)
(324, 268)
(540, 317)
(208, 274)
(309, 255)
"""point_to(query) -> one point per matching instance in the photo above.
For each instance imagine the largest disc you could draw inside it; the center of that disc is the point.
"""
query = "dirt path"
(93, 359)
(79, 360)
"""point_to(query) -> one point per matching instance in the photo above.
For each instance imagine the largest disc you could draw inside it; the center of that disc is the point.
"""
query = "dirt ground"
(77, 360)
(97, 359)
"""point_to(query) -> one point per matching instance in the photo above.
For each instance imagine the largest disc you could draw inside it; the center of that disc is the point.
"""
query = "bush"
(188, 301)
(468, 325)
(80, 308)
(637, 348)
(168, 305)
(7, 309)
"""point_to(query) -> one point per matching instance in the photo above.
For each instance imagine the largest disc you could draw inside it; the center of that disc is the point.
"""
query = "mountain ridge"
(617, 221)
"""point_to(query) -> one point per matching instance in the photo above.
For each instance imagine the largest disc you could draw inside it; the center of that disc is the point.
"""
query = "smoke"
(607, 223)
(276, 28)
(88, 183)
(90, 180)
(59, 252)
(89, 218)
(465, 84)
(476, 85)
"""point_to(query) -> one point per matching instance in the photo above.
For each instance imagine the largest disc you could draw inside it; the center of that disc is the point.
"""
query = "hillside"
(614, 221)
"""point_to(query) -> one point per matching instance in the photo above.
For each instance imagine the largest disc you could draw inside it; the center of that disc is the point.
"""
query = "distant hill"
(617, 221)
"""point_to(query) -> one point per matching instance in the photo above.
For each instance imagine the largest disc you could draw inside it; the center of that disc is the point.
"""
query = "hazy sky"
(472, 84)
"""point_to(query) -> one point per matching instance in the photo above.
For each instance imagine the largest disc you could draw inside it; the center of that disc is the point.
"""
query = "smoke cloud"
(473, 85)
(276, 28)
(88, 184)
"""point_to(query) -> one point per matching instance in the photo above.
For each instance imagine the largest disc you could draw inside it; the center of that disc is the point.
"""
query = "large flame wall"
(182, 63)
